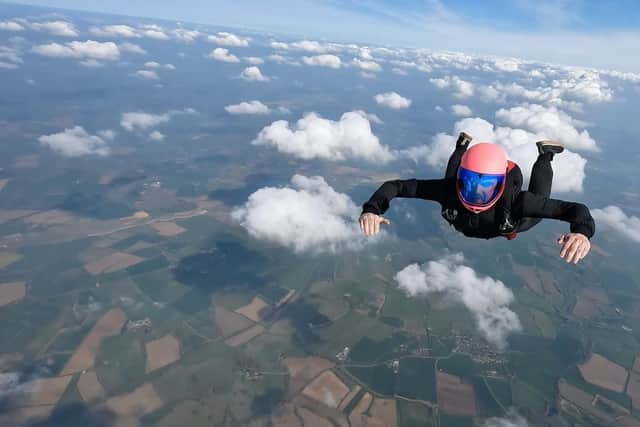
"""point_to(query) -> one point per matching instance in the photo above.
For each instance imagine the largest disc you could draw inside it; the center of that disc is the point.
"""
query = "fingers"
(575, 247)
(370, 223)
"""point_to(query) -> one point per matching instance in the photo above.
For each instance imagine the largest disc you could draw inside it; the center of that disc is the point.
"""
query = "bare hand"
(575, 246)
(370, 223)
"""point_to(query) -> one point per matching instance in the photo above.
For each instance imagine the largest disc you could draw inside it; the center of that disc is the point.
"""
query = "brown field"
(633, 388)
(3, 182)
(89, 387)
(7, 215)
(588, 302)
(304, 369)
(602, 372)
(591, 404)
(244, 336)
(636, 364)
(209, 412)
(168, 229)
(229, 322)
(111, 323)
(12, 292)
(285, 416)
(349, 397)
(111, 263)
(358, 417)
(327, 389)
(384, 410)
(37, 402)
(627, 421)
(310, 419)
(26, 162)
(135, 404)
(254, 309)
(528, 274)
(161, 352)
(454, 396)
(8, 258)
(52, 217)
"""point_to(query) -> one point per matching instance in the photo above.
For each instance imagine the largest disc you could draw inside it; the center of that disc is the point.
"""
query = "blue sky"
(603, 34)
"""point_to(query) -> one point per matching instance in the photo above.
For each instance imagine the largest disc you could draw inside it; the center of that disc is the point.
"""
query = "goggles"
(479, 189)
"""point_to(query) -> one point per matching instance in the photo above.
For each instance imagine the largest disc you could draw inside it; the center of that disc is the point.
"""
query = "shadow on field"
(78, 415)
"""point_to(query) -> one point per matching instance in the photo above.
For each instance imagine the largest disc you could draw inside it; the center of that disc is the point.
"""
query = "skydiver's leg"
(454, 161)
(540, 183)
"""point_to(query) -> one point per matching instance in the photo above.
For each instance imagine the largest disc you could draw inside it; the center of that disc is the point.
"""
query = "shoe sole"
(554, 146)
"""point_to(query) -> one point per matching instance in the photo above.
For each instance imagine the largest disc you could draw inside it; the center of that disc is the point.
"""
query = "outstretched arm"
(427, 189)
(576, 244)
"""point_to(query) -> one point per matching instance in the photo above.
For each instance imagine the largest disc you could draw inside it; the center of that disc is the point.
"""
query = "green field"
(120, 363)
(412, 414)
(416, 379)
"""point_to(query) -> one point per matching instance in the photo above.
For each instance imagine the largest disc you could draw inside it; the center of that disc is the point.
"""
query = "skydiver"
(481, 196)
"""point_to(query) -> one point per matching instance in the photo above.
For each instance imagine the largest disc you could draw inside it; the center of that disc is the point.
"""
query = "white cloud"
(222, 54)
(77, 142)
(90, 49)
(228, 39)
(139, 120)
(152, 64)
(187, 36)
(147, 74)
(569, 167)
(461, 88)
(156, 136)
(614, 218)
(251, 107)
(307, 216)
(8, 65)
(309, 46)
(509, 65)
(253, 74)
(461, 110)
(392, 100)
(315, 137)
(153, 32)
(548, 123)
(488, 299)
(56, 28)
(399, 71)
(9, 54)
(115, 31)
(279, 45)
(254, 60)
(10, 26)
(132, 48)
(366, 65)
(512, 419)
(331, 61)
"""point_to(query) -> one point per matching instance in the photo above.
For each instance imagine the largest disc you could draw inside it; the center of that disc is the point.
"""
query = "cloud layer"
(614, 218)
(392, 100)
(488, 299)
(76, 142)
(315, 137)
(307, 216)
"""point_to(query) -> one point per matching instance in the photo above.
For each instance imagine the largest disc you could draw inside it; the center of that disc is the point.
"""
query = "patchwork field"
(168, 229)
(358, 417)
(588, 302)
(8, 258)
(302, 370)
(38, 400)
(112, 263)
(384, 411)
(161, 352)
(604, 373)
(454, 396)
(12, 292)
(349, 397)
(111, 323)
(229, 322)
(633, 386)
(51, 217)
(89, 387)
(327, 389)
(134, 405)
(254, 309)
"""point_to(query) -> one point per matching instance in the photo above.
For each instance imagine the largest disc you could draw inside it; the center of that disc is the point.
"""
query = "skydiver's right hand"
(370, 223)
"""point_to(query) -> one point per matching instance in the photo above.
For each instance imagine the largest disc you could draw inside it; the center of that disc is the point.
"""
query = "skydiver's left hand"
(575, 246)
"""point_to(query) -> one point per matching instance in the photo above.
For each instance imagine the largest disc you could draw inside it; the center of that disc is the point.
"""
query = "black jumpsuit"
(527, 208)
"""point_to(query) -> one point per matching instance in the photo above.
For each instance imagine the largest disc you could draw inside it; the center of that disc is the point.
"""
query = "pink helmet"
(481, 176)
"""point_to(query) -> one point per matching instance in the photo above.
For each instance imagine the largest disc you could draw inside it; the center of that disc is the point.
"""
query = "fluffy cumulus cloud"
(251, 107)
(488, 299)
(350, 137)
(115, 31)
(326, 60)
(132, 48)
(139, 120)
(254, 60)
(460, 110)
(144, 31)
(461, 88)
(56, 28)
(156, 136)
(253, 74)
(147, 74)
(10, 58)
(508, 65)
(548, 123)
(614, 218)
(519, 144)
(305, 45)
(10, 26)
(89, 49)
(76, 142)
(228, 39)
(392, 100)
(307, 216)
(512, 419)
(223, 55)
(370, 66)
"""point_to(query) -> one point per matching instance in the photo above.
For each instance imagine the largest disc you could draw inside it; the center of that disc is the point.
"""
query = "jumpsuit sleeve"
(577, 214)
(429, 189)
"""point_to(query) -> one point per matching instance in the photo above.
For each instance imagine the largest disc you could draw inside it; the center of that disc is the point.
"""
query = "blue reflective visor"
(478, 189)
